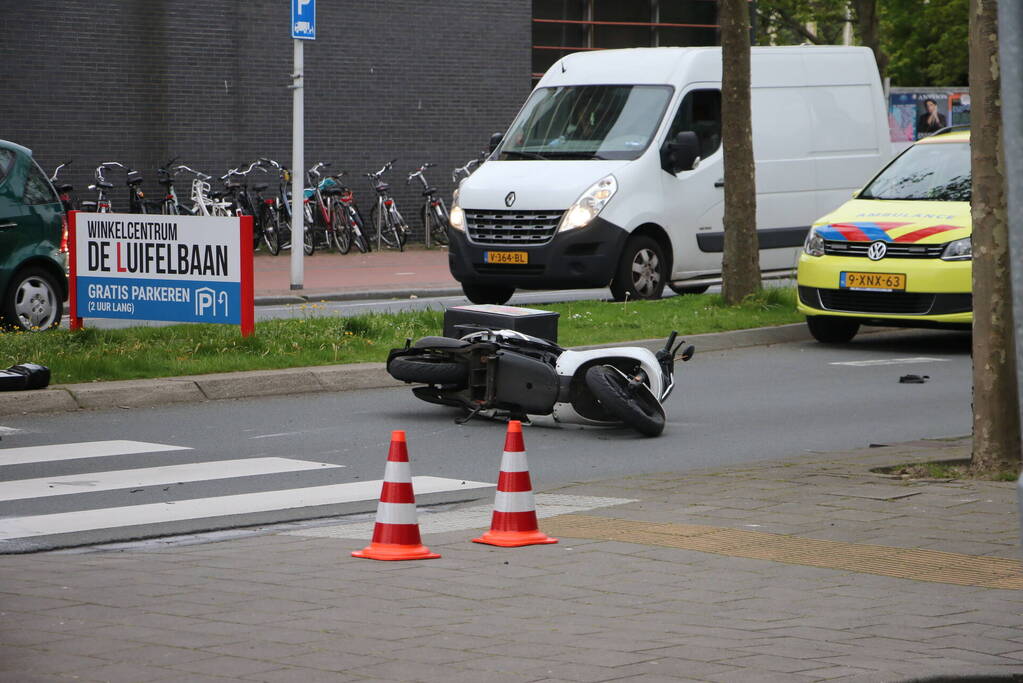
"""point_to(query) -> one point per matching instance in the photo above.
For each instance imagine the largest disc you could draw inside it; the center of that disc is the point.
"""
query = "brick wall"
(141, 82)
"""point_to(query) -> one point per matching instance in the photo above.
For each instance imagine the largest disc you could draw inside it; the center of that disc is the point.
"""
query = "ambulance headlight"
(960, 250)
(814, 244)
(589, 204)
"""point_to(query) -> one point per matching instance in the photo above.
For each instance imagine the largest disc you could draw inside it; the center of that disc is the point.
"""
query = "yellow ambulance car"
(899, 253)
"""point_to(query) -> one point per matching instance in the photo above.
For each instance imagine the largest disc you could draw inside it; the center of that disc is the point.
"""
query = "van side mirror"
(495, 140)
(681, 153)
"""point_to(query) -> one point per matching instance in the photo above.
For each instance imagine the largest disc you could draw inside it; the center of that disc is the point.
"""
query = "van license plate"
(887, 282)
(514, 257)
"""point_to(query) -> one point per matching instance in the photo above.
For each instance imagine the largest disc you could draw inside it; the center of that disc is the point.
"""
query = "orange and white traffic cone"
(396, 534)
(514, 521)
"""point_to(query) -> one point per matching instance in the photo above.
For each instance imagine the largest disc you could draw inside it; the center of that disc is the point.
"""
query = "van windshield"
(586, 122)
(930, 172)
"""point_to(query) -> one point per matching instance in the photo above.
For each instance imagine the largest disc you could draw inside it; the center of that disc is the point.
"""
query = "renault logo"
(509, 199)
(877, 250)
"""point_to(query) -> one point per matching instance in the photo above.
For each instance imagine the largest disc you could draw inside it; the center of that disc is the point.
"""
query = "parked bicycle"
(433, 214)
(65, 190)
(236, 187)
(171, 204)
(282, 209)
(102, 203)
(387, 222)
(354, 224)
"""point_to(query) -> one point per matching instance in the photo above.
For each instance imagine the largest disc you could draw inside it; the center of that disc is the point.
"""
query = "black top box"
(461, 320)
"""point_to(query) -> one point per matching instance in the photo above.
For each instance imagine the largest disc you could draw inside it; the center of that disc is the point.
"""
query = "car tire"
(33, 302)
(642, 272)
(486, 294)
(688, 289)
(832, 330)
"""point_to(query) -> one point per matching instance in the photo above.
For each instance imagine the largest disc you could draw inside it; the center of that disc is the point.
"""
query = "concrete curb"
(143, 393)
(375, 295)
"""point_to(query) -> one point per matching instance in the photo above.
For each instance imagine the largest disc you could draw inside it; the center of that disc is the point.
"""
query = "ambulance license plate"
(517, 258)
(885, 282)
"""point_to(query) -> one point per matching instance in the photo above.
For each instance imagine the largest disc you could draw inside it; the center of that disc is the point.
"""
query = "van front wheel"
(483, 294)
(641, 272)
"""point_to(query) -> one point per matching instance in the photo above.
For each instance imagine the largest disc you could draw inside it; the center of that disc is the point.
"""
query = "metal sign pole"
(297, 171)
(1010, 58)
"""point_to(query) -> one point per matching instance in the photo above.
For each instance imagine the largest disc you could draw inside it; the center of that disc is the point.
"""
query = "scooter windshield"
(586, 122)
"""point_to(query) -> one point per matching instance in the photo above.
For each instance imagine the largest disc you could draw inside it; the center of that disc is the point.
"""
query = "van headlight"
(456, 218)
(814, 243)
(589, 204)
(960, 250)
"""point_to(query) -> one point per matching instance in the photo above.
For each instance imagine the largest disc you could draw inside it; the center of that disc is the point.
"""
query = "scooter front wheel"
(427, 370)
(634, 408)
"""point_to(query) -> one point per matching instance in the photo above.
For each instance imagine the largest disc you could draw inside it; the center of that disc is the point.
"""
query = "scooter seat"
(440, 343)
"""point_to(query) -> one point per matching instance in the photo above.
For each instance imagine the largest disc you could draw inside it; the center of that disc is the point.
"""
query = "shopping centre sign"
(167, 268)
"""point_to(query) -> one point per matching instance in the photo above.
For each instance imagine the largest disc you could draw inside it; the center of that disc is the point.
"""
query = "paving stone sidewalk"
(284, 605)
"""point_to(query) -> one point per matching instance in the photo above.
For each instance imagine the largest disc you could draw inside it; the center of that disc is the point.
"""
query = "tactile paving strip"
(905, 563)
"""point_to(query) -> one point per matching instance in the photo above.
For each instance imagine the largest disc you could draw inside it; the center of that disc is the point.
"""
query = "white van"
(612, 171)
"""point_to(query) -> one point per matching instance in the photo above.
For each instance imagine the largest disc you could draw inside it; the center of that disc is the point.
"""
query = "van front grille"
(507, 227)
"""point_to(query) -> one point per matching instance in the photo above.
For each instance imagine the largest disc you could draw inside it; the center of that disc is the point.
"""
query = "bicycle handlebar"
(53, 178)
(382, 171)
(107, 164)
(197, 174)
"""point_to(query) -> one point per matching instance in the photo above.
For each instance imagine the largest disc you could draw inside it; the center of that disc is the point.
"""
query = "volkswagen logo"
(509, 199)
(877, 250)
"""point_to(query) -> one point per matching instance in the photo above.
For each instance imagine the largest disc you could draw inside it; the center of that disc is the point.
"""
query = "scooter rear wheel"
(427, 370)
(631, 407)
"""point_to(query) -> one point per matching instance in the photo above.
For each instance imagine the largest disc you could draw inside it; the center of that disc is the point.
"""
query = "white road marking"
(205, 508)
(476, 517)
(890, 361)
(112, 480)
(84, 449)
(9, 430)
(271, 436)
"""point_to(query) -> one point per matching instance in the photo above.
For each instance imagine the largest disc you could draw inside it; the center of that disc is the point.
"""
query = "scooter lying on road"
(504, 373)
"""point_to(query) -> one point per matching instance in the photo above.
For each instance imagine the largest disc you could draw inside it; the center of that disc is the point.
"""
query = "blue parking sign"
(303, 19)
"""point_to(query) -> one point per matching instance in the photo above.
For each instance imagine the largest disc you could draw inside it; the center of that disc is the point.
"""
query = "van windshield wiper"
(523, 155)
(577, 155)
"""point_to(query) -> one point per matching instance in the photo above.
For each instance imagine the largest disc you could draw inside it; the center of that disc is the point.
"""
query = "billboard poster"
(931, 113)
(902, 117)
(195, 269)
(960, 108)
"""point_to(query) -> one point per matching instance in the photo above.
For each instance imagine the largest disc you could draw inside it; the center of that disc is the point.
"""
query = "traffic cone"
(514, 521)
(396, 534)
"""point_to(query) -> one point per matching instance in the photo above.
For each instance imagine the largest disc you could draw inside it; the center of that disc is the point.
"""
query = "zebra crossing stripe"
(22, 489)
(12, 528)
(84, 449)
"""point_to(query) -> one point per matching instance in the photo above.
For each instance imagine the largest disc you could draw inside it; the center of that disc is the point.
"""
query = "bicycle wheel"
(358, 228)
(382, 228)
(271, 231)
(339, 228)
(433, 225)
(308, 238)
(399, 227)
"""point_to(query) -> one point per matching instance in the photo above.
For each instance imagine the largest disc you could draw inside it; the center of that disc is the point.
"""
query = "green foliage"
(140, 352)
(927, 41)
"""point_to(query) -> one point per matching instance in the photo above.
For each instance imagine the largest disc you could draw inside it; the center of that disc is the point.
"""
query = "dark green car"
(33, 280)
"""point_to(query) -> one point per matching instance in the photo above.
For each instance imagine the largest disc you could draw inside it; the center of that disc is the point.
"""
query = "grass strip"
(145, 352)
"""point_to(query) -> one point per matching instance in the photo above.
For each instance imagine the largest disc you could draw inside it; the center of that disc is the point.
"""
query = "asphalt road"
(729, 407)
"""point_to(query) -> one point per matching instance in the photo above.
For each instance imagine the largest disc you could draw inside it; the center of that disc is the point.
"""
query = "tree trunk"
(996, 426)
(868, 24)
(741, 258)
